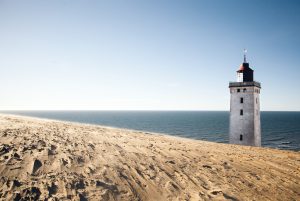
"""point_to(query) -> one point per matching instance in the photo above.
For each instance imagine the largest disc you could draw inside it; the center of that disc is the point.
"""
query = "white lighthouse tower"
(244, 126)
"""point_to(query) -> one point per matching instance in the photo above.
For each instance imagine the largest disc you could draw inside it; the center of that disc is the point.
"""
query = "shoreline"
(100, 126)
(135, 130)
(45, 158)
(112, 127)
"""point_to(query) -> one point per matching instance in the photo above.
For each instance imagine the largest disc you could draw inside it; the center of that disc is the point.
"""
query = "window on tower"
(240, 77)
(238, 90)
(241, 137)
(241, 112)
(242, 100)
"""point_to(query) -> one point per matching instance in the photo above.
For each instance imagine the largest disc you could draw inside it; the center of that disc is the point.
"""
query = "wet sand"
(42, 159)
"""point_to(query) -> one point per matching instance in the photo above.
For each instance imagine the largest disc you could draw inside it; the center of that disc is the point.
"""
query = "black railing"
(244, 84)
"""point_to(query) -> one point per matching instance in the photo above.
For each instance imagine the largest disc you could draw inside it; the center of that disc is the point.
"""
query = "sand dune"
(42, 159)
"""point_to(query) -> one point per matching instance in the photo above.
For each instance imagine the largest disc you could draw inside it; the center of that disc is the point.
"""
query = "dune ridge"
(46, 159)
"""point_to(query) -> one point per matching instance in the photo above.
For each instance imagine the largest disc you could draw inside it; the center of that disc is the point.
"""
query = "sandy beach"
(42, 159)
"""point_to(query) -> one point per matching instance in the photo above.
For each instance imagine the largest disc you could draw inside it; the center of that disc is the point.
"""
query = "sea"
(280, 130)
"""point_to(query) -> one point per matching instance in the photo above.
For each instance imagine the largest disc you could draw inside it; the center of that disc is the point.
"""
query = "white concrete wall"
(247, 124)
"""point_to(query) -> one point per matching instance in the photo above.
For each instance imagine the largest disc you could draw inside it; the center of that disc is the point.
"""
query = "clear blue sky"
(146, 55)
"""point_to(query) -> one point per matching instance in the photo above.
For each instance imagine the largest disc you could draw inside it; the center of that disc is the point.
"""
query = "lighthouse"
(244, 128)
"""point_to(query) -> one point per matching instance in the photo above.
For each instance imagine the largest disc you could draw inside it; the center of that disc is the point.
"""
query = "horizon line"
(129, 110)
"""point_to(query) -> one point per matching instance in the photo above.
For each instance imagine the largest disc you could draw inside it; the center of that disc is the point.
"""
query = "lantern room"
(244, 73)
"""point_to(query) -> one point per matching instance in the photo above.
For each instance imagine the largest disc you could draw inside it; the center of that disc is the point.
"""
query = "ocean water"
(280, 130)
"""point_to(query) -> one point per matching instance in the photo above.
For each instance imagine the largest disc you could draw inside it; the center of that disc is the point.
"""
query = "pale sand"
(44, 158)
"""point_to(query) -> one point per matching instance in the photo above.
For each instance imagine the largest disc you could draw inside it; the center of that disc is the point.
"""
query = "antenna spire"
(245, 52)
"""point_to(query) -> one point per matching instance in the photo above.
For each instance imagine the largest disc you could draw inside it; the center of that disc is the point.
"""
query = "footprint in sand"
(172, 187)
(4, 149)
(218, 193)
(37, 164)
(52, 189)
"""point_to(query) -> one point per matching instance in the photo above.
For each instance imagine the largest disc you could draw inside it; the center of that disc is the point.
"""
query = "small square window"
(241, 112)
(238, 90)
(244, 90)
